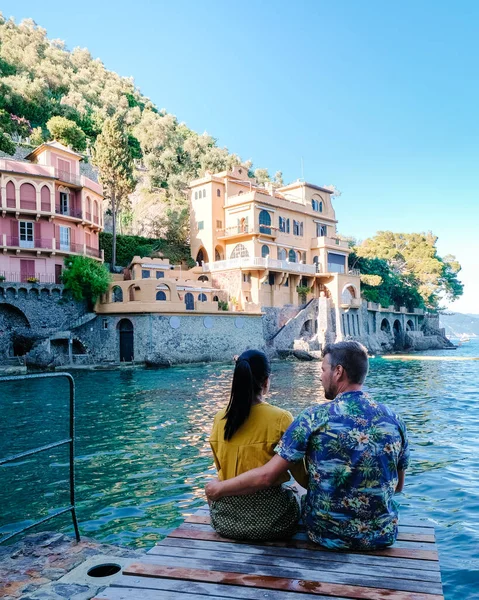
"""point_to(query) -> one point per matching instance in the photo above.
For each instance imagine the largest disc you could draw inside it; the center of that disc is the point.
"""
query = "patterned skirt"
(269, 514)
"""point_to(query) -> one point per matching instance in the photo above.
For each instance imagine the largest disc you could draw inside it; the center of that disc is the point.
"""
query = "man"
(356, 451)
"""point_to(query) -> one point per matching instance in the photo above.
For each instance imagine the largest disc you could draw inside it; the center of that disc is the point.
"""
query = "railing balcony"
(239, 230)
(94, 252)
(68, 177)
(245, 262)
(69, 212)
(323, 241)
(37, 243)
(15, 277)
(88, 216)
(28, 205)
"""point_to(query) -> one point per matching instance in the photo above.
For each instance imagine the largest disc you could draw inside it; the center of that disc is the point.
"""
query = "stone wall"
(173, 339)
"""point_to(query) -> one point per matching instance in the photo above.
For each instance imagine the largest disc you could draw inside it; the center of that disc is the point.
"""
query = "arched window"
(117, 294)
(320, 207)
(215, 298)
(95, 212)
(315, 204)
(196, 195)
(239, 251)
(264, 251)
(202, 278)
(218, 192)
(218, 253)
(292, 255)
(28, 195)
(45, 199)
(204, 193)
(189, 301)
(316, 263)
(160, 295)
(281, 254)
(202, 297)
(202, 256)
(10, 194)
(264, 222)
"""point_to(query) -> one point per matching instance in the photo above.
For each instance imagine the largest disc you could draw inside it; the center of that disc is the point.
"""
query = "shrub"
(67, 132)
(86, 278)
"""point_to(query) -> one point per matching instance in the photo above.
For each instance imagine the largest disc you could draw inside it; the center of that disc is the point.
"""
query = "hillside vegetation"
(47, 91)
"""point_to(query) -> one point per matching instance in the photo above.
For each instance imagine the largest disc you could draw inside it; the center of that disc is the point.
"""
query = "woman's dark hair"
(251, 372)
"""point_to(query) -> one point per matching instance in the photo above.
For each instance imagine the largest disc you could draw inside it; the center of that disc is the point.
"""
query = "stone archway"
(398, 335)
(16, 339)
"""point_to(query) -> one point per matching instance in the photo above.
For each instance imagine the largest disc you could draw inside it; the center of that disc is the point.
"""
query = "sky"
(378, 98)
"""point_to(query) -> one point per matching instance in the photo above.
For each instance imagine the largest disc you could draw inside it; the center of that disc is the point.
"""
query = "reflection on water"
(143, 454)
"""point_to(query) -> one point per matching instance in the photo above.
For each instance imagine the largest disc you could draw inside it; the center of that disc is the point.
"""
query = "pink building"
(49, 210)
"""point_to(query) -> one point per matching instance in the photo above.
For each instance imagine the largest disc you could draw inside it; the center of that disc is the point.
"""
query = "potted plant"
(32, 279)
(234, 303)
(2, 277)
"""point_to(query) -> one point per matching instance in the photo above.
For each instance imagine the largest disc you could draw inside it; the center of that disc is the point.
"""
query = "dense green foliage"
(67, 133)
(129, 246)
(86, 278)
(404, 269)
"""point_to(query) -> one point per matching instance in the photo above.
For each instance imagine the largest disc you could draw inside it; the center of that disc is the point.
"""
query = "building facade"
(49, 211)
(261, 243)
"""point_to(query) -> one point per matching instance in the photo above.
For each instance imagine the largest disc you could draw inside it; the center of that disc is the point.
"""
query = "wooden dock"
(195, 563)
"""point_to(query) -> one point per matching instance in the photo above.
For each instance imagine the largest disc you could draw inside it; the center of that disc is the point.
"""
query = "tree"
(67, 132)
(112, 156)
(415, 266)
(173, 226)
(36, 137)
(86, 278)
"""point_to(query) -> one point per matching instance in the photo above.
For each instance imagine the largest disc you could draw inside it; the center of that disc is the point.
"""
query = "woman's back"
(252, 445)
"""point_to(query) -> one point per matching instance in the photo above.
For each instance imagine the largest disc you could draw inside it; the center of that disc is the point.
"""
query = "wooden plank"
(315, 574)
(211, 589)
(410, 536)
(394, 551)
(278, 583)
(291, 562)
(257, 549)
(304, 537)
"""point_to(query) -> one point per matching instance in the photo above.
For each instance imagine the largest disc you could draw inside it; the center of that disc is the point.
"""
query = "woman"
(244, 436)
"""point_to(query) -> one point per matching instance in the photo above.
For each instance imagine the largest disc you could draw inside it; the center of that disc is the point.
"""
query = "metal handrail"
(71, 443)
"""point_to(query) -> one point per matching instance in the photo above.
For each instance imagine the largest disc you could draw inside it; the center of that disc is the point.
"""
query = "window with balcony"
(336, 263)
(264, 222)
(26, 234)
(281, 254)
(65, 236)
(264, 251)
(64, 203)
(321, 230)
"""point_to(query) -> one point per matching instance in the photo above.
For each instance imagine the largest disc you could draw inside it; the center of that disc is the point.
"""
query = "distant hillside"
(457, 324)
(40, 79)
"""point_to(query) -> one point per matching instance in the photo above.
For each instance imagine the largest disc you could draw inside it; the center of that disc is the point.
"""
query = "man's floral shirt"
(354, 448)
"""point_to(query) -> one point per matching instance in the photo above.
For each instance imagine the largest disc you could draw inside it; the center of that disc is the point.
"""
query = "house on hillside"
(49, 210)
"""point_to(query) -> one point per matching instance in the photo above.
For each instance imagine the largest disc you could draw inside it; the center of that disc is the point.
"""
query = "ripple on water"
(143, 453)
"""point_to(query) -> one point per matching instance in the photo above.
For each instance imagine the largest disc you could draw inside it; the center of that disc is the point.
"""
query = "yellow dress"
(253, 444)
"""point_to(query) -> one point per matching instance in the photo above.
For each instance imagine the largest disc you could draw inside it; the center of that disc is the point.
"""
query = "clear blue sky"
(379, 98)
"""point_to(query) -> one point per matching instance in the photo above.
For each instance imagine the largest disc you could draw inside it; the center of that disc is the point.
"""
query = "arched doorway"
(398, 335)
(189, 301)
(201, 257)
(125, 328)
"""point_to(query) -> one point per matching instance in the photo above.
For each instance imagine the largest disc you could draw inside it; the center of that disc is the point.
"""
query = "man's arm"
(250, 481)
(401, 477)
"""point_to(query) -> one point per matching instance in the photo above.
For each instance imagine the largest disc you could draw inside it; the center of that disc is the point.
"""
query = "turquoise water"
(143, 456)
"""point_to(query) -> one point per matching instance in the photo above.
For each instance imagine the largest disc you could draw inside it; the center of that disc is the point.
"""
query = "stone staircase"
(284, 339)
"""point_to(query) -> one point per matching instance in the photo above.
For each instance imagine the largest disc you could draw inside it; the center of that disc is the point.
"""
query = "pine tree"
(112, 156)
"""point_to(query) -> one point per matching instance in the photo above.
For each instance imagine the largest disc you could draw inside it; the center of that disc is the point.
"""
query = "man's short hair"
(352, 356)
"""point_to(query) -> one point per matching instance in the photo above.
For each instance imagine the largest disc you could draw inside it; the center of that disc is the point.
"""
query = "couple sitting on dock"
(350, 454)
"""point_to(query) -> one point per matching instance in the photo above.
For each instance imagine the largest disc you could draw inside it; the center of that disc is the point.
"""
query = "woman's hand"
(212, 490)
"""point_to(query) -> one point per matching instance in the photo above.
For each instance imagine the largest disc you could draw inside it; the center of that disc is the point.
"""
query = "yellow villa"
(261, 243)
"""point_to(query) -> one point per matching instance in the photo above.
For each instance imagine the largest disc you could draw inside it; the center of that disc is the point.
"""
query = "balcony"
(37, 243)
(256, 262)
(16, 277)
(68, 177)
(245, 231)
(323, 242)
(69, 212)
(93, 252)
(51, 245)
